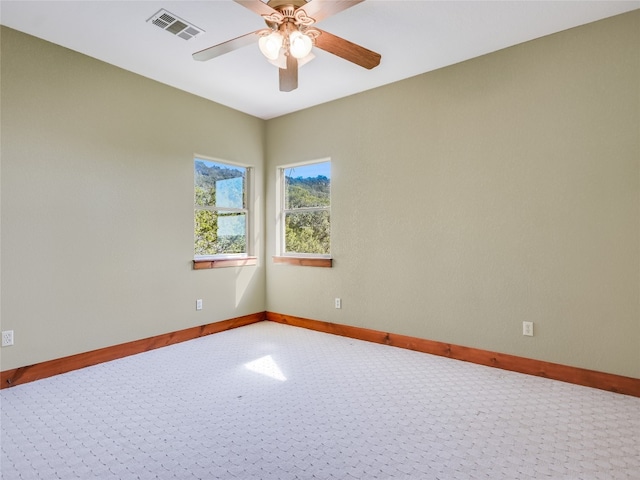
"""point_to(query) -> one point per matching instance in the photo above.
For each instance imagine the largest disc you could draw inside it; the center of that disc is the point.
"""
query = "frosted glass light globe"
(270, 45)
(300, 45)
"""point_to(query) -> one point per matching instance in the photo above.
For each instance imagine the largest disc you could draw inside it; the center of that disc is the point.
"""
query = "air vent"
(174, 24)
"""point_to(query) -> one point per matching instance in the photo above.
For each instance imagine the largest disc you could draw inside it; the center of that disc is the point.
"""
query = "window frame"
(227, 259)
(294, 258)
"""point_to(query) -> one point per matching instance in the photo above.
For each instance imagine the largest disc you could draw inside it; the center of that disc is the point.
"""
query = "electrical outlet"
(338, 303)
(7, 338)
(527, 329)
(199, 304)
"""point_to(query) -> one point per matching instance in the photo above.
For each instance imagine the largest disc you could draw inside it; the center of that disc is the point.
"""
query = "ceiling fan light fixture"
(300, 45)
(290, 37)
(270, 45)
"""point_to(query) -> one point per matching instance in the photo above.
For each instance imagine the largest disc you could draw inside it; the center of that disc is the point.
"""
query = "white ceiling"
(413, 37)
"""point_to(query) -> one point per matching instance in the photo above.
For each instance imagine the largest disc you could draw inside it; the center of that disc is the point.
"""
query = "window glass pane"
(308, 185)
(219, 185)
(229, 193)
(219, 233)
(307, 232)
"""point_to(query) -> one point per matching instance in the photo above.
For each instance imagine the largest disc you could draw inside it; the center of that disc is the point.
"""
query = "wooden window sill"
(304, 261)
(202, 264)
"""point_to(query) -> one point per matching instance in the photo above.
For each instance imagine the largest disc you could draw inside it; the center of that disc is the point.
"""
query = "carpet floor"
(271, 401)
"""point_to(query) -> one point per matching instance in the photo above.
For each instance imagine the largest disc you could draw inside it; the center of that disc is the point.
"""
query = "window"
(305, 210)
(221, 213)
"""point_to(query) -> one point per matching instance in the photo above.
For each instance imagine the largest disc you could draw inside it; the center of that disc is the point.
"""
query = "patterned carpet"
(270, 401)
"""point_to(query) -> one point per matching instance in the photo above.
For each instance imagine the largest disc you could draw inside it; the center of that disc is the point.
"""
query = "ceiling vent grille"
(174, 24)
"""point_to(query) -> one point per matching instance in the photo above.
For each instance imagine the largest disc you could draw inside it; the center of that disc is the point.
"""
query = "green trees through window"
(306, 209)
(220, 208)
(221, 213)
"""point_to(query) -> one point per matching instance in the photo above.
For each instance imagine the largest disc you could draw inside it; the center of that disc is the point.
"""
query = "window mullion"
(221, 209)
(306, 209)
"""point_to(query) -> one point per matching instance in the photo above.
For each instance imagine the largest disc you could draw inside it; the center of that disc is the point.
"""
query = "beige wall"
(499, 190)
(465, 201)
(97, 204)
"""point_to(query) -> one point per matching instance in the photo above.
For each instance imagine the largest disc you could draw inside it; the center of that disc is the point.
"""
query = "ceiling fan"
(290, 37)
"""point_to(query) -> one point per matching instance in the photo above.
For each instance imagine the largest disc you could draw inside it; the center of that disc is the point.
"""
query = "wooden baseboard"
(578, 376)
(17, 376)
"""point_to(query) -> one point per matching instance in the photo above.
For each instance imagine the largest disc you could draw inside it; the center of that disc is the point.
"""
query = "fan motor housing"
(280, 4)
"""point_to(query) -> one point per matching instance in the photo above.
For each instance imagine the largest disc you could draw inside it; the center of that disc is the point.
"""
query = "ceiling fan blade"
(226, 47)
(347, 50)
(257, 6)
(321, 9)
(289, 75)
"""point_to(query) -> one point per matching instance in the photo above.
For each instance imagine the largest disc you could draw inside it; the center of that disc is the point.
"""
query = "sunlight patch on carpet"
(266, 366)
